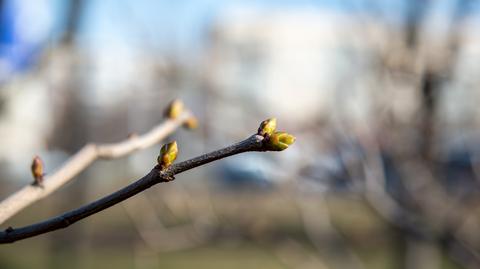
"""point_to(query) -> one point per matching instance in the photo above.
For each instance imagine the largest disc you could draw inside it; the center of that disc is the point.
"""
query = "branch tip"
(279, 141)
(191, 123)
(274, 141)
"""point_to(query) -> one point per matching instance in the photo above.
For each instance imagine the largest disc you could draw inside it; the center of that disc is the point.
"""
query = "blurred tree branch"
(154, 233)
(81, 160)
(411, 223)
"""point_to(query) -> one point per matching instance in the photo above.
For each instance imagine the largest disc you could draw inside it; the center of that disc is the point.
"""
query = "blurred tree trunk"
(70, 135)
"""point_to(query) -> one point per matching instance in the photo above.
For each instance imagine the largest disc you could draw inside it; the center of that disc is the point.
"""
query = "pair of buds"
(274, 140)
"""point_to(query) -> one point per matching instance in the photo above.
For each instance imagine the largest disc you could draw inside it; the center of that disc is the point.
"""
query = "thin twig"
(81, 160)
(155, 176)
(408, 222)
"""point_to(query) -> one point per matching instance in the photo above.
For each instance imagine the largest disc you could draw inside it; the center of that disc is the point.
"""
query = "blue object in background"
(246, 173)
(26, 27)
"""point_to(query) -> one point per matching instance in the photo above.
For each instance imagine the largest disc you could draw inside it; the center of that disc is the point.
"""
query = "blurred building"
(297, 64)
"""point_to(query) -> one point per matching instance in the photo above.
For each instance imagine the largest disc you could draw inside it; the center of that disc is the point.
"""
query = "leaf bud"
(168, 154)
(174, 109)
(37, 170)
(267, 127)
(279, 141)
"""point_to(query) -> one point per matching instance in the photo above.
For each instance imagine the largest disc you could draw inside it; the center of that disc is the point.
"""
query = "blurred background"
(382, 96)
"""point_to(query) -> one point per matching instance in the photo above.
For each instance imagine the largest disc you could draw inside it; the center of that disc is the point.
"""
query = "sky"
(181, 25)
(176, 27)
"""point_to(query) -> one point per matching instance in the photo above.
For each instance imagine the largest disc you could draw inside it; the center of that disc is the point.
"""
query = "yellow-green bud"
(191, 123)
(168, 154)
(174, 109)
(267, 127)
(279, 141)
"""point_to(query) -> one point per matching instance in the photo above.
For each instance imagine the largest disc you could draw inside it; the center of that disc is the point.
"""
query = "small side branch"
(81, 160)
(155, 176)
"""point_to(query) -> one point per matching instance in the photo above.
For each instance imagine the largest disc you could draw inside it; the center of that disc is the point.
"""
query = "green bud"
(279, 141)
(168, 154)
(267, 127)
(174, 109)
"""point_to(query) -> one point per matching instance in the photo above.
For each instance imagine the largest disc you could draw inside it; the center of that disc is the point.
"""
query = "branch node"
(38, 184)
(165, 175)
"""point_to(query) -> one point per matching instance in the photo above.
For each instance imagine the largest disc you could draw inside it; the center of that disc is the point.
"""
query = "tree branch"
(155, 176)
(81, 160)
